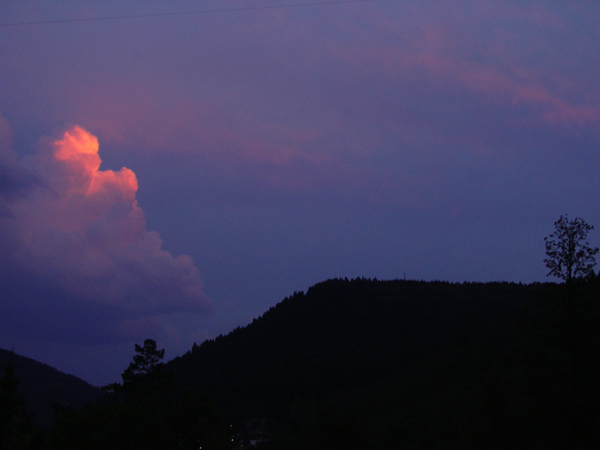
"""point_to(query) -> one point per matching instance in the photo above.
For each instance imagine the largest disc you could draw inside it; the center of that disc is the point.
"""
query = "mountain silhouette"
(354, 364)
(43, 389)
(341, 335)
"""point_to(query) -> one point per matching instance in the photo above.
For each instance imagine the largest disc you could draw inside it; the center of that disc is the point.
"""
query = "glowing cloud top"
(79, 150)
(78, 238)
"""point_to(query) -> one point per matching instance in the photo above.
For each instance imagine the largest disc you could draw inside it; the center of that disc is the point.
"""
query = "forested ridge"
(345, 333)
(372, 364)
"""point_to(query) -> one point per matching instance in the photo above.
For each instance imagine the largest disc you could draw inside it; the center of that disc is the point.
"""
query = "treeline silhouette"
(342, 334)
(362, 363)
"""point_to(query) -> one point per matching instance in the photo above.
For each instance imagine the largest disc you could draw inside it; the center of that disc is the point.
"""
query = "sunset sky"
(170, 170)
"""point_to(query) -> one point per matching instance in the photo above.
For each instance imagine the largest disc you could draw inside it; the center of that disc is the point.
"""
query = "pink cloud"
(81, 236)
(449, 48)
(553, 108)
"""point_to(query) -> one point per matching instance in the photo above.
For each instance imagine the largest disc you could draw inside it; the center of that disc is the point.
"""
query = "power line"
(182, 13)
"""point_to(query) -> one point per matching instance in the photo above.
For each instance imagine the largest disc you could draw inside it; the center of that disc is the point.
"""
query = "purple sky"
(268, 149)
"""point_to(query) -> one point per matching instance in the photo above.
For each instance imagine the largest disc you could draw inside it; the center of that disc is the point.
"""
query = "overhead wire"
(180, 13)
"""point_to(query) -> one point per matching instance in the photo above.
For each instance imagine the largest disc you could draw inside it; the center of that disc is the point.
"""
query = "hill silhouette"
(44, 388)
(342, 335)
(355, 364)
(371, 364)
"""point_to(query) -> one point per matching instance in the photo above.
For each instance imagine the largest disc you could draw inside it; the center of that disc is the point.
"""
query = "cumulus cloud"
(77, 261)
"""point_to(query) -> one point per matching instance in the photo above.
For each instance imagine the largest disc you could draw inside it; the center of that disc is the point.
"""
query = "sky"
(173, 170)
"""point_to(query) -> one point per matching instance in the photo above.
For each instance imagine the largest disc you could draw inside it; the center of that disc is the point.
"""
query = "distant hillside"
(42, 386)
(342, 335)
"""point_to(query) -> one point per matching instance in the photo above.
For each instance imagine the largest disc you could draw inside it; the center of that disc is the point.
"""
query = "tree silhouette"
(147, 361)
(570, 255)
(571, 258)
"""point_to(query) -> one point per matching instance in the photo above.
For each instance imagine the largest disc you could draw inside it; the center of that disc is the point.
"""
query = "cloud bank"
(77, 263)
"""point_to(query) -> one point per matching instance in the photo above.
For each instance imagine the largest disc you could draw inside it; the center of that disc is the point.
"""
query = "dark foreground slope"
(535, 384)
(43, 388)
(343, 335)
(367, 364)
